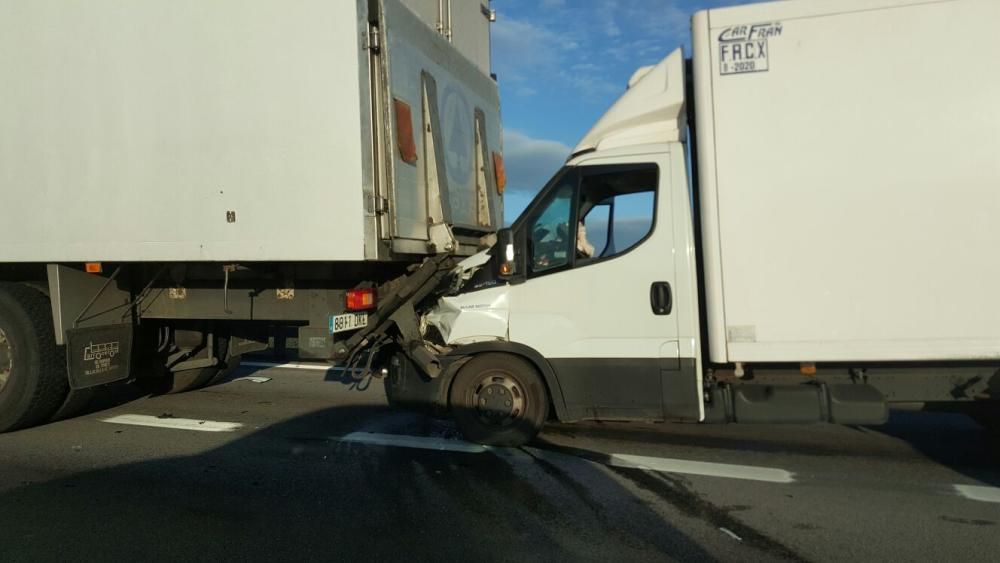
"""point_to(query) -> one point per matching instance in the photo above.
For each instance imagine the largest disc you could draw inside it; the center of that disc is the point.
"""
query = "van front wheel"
(499, 400)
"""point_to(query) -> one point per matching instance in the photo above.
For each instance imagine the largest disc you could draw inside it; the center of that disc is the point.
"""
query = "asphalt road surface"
(306, 467)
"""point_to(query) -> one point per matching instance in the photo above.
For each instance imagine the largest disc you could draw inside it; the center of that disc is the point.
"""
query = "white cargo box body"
(849, 157)
(218, 130)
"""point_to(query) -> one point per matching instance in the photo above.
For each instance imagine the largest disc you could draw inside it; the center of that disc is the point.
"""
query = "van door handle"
(661, 298)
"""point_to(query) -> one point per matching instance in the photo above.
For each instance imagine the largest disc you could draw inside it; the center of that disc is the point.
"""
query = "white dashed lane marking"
(417, 442)
(174, 423)
(313, 367)
(729, 471)
(979, 493)
(665, 465)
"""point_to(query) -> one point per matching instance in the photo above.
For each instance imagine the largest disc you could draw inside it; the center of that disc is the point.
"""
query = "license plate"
(348, 321)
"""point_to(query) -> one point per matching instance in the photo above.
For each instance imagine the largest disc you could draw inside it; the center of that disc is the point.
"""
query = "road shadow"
(292, 491)
(355, 379)
(113, 395)
(951, 439)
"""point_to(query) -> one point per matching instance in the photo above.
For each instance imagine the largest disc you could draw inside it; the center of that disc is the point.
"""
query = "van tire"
(37, 384)
(499, 400)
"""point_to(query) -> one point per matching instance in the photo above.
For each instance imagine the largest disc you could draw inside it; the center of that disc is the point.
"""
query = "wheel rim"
(6, 360)
(499, 399)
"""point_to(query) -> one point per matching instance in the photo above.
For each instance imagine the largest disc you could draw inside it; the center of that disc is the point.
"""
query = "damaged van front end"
(469, 318)
(428, 312)
(425, 327)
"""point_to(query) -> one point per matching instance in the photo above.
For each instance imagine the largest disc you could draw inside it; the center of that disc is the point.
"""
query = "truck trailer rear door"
(441, 138)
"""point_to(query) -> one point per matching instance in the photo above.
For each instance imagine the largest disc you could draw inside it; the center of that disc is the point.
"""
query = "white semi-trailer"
(797, 225)
(181, 179)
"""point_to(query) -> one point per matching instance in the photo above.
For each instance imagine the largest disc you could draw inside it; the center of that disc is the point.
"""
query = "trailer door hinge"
(372, 41)
(381, 205)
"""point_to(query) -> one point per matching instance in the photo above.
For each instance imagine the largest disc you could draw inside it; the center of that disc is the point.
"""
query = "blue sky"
(561, 63)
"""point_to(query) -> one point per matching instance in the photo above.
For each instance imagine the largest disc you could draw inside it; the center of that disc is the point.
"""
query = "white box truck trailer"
(178, 178)
(796, 225)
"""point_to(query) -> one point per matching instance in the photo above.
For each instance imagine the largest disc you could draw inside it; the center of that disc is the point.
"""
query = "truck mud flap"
(98, 355)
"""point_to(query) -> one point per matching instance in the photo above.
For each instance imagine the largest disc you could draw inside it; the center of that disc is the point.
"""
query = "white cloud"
(521, 48)
(526, 54)
(660, 19)
(531, 162)
(591, 83)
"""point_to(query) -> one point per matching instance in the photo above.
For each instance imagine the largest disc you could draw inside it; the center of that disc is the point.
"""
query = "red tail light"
(360, 299)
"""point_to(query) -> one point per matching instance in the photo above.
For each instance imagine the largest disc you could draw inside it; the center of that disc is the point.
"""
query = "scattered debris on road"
(253, 379)
(730, 533)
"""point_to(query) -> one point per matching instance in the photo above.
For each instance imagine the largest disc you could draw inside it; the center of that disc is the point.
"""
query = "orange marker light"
(500, 172)
(93, 267)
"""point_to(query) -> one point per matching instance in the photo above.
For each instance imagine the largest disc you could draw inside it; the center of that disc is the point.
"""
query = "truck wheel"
(499, 400)
(33, 382)
(190, 379)
(76, 401)
(987, 415)
(180, 382)
(232, 364)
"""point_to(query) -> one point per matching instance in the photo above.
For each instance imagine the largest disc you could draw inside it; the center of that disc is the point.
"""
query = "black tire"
(390, 395)
(163, 382)
(179, 382)
(77, 400)
(499, 400)
(232, 364)
(400, 369)
(987, 415)
(189, 380)
(36, 384)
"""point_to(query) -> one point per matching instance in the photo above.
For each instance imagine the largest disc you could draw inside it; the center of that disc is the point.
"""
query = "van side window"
(550, 235)
(618, 211)
(591, 214)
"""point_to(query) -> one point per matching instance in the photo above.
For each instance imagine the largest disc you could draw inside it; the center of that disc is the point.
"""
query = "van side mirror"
(509, 256)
